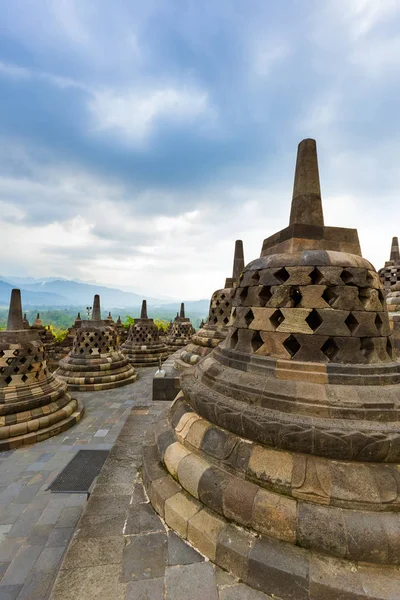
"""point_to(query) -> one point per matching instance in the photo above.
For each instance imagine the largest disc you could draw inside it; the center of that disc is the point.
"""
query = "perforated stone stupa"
(390, 273)
(279, 460)
(143, 346)
(216, 328)
(181, 330)
(95, 362)
(44, 333)
(34, 405)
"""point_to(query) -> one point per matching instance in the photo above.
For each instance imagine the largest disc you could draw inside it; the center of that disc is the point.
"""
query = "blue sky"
(138, 140)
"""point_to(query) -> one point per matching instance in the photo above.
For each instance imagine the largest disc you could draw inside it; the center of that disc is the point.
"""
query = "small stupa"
(216, 328)
(109, 320)
(390, 273)
(34, 405)
(95, 362)
(181, 330)
(25, 322)
(143, 346)
(122, 331)
(279, 460)
(45, 334)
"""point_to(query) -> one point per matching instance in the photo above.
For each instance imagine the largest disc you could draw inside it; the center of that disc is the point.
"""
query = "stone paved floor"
(119, 549)
(36, 525)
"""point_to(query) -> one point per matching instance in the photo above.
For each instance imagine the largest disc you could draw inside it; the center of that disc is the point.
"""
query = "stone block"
(279, 568)
(178, 510)
(212, 487)
(238, 500)
(233, 548)
(172, 457)
(190, 470)
(203, 532)
(275, 515)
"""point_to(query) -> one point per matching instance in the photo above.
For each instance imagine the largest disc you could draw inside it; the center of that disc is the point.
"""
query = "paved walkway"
(36, 525)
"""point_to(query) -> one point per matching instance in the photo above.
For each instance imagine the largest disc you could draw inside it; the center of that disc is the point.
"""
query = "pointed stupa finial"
(96, 313)
(38, 316)
(79, 316)
(14, 322)
(119, 322)
(238, 260)
(143, 314)
(394, 251)
(306, 203)
(182, 315)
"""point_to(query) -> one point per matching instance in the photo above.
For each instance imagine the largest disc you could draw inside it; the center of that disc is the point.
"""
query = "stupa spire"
(143, 314)
(182, 315)
(306, 203)
(14, 322)
(238, 260)
(96, 313)
(394, 251)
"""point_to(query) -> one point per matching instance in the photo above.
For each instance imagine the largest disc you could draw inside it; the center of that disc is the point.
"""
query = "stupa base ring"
(265, 563)
(37, 432)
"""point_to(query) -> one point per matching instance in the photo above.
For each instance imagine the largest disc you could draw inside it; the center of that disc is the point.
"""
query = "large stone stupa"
(143, 346)
(215, 330)
(34, 405)
(95, 362)
(279, 460)
(181, 330)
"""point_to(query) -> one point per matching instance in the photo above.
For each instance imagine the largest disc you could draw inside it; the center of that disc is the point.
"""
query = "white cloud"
(132, 115)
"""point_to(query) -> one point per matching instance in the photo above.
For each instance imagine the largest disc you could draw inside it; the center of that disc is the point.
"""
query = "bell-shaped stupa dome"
(95, 361)
(143, 346)
(215, 330)
(34, 405)
(181, 330)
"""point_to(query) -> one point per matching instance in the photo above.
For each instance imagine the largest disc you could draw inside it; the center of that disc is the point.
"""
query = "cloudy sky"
(139, 139)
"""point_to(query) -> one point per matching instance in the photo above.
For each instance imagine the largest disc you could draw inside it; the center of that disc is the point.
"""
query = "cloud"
(133, 115)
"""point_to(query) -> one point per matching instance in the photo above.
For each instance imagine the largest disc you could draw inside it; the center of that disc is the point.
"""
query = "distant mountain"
(31, 298)
(67, 292)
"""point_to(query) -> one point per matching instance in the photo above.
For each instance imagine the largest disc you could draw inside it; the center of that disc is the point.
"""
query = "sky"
(138, 140)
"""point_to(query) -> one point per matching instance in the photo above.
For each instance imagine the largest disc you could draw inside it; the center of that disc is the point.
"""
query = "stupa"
(181, 330)
(216, 328)
(109, 320)
(34, 405)
(25, 322)
(143, 346)
(390, 273)
(279, 459)
(122, 331)
(95, 362)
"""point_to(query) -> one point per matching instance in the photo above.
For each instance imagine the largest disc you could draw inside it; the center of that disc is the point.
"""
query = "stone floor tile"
(224, 578)
(49, 558)
(196, 582)
(144, 557)
(103, 583)
(148, 589)
(101, 526)
(3, 568)
(141, 518)
(37, 585)
(11, 513)
(20, 567)
(9, 548)
(108, 506)
(4, 529)
(60, 536)
(94, 551)
(180, 553)
(69, 516)
(27, 493)
(9, 592)
(51, 514)
(39, 535)
(25, 523)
